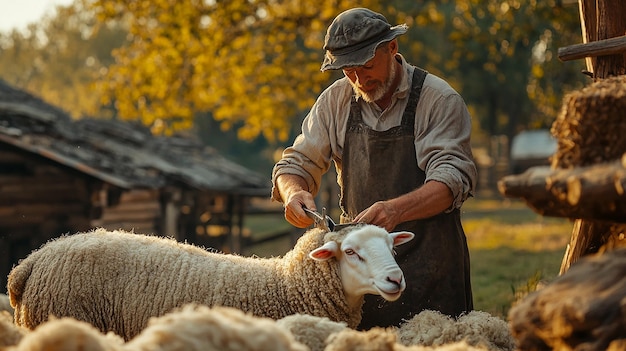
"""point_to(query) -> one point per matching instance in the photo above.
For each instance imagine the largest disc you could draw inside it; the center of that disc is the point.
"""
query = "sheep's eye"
(351, 252)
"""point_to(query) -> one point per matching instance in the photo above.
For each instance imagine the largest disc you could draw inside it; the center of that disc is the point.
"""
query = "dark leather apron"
(381, 165)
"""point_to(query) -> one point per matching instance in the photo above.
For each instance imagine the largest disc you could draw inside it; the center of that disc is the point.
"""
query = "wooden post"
(588, 20)
(600, 19)
(611, 24)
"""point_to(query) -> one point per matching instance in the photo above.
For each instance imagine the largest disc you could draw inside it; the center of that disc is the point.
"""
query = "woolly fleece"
(190, 328)
(117, 280)
(68, 334)
(10, 334)
(476, 328)
(383, 339)
(310, 330)
(201, 328)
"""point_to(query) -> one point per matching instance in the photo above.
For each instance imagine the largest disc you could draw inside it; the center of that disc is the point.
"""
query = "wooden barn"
(60, 176)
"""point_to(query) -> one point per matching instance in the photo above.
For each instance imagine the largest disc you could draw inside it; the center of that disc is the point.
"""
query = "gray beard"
(380, 91)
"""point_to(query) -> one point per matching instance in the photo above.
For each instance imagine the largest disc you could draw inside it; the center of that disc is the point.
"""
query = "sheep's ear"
(325, 251)
(400, 238)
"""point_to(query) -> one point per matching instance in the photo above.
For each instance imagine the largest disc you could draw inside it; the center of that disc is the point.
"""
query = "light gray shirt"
(442, 134)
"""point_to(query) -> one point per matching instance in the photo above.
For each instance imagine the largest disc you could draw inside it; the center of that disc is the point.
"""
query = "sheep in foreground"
(117, 280)
(190, 328)
(68, 334)
(196, 327)
(201, 328)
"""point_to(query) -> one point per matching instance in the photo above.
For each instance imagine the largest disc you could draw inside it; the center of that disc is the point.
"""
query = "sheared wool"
(476, 328)
(68, 334)
(203, 328)
(310, 330)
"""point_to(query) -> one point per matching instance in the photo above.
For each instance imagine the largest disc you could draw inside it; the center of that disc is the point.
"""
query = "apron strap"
(408, 117)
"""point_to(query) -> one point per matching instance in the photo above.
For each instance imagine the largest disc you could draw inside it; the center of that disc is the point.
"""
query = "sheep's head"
(366, 260)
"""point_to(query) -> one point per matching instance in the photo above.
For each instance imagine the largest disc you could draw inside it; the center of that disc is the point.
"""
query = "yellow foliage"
(249, 63)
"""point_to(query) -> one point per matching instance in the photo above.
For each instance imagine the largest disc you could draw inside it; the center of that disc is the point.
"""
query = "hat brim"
(361, 56)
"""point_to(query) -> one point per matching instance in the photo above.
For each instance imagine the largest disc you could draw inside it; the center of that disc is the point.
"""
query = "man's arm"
(430, 199)
(295, 194)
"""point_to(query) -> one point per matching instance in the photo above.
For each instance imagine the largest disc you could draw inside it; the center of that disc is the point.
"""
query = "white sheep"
(117, 280)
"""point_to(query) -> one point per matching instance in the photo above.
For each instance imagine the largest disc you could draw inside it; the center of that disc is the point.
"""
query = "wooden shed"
(60, 176)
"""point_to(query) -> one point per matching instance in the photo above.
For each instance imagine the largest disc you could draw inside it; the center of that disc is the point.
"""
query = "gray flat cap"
(352, 37)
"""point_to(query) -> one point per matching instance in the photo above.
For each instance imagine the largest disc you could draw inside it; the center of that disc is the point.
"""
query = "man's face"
(373, 80)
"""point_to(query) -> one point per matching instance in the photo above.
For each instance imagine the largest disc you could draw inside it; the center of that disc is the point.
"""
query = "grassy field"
(512, 248)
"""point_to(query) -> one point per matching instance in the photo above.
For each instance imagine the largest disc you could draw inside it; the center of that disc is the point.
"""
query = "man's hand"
(424, 202)
(293, 191)
(382, 214)
(294, 213)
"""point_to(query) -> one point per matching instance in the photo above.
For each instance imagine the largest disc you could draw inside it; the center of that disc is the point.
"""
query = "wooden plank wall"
(39, 200)
(138, 210)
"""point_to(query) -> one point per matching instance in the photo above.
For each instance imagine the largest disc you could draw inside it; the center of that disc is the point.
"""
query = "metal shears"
(322, 221)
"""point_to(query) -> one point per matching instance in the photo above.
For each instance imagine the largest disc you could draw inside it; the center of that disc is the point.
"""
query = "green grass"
(500, 276)
(512, 248)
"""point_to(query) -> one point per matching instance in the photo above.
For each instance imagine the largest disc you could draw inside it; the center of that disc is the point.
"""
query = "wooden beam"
(604, 47)
(596, 192)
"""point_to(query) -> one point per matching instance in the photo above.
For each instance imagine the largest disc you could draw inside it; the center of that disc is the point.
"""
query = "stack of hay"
(591, 126)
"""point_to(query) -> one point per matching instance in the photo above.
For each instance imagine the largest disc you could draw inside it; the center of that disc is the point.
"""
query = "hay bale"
(590, 127)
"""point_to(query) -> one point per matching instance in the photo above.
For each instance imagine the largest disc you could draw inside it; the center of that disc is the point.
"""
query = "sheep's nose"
(397, 281)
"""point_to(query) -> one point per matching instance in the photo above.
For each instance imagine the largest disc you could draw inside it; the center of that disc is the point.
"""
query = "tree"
(500, 54)
(250, 61)
(253, 65)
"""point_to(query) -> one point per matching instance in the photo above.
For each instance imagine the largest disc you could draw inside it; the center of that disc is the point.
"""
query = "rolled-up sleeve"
(309, 156)
(443, 147)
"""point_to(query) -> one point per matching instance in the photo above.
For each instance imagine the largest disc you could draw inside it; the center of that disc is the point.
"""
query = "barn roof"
(124, 154)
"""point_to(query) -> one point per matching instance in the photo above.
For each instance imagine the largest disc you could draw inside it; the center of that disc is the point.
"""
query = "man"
(400, 141)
